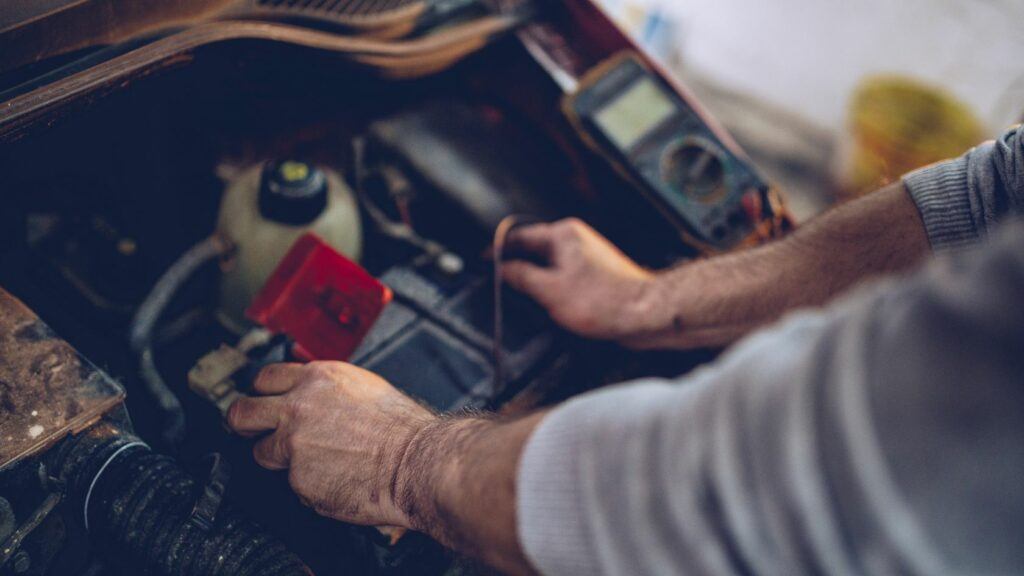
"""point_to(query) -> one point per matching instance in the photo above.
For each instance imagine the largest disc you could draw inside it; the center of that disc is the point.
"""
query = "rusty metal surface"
(47, 390)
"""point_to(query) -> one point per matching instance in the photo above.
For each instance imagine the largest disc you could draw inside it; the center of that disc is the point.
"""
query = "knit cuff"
(941, 194)
(550, 522)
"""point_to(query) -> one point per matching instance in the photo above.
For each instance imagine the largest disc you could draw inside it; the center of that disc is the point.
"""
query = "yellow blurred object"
(897, 125)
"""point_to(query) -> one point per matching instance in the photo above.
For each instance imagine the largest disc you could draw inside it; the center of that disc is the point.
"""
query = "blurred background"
(834, 97)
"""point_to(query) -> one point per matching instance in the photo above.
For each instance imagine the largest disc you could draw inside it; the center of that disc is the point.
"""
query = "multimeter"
(631, 116)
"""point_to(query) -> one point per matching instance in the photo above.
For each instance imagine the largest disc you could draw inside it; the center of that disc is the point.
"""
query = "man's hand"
(343, 434)
(360, 451)
(586, 284)
(591, 288)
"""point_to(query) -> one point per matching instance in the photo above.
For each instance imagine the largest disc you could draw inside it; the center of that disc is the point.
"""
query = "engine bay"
(142, 227)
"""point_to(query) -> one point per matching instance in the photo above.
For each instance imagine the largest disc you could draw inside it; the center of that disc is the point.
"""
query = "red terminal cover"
(322, 300)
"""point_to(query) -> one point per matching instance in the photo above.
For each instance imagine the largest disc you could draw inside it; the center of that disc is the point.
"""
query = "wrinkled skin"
(341, 431)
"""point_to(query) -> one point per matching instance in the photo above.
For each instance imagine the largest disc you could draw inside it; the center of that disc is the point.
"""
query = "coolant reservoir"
(265, 210)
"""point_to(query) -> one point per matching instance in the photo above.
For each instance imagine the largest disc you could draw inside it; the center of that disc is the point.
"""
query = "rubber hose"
(145, 319)
(138, 506)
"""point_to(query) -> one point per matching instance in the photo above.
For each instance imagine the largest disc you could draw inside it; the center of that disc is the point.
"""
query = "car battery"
(435, 340)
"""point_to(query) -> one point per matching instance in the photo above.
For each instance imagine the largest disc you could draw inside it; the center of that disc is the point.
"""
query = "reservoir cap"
(292, 192)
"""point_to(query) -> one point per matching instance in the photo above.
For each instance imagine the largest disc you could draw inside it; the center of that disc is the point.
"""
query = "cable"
(156, 301)
(501, 233)
(145, 319)
(400, 231)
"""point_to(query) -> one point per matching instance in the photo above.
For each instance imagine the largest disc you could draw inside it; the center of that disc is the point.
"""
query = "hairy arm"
(468, 499)
(358, 450)
(717, 301)
(593, 289)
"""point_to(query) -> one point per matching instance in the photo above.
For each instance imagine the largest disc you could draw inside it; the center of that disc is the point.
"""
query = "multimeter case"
(707, 190)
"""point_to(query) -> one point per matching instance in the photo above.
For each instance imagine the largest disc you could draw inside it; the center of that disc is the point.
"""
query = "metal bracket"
(13, 542)
(204, 513)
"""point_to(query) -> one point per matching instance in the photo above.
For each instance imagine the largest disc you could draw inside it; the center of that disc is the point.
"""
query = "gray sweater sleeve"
(962, 200)
(884, 435)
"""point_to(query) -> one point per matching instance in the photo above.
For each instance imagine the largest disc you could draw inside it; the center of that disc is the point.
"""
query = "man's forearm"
(457, 484)
(716, 301)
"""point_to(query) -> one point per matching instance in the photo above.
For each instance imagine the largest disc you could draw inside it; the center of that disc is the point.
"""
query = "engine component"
(395, 184)
(435, 341)
(224, 374)
(47, 390)
(143, 510)
(265, 210)
(212, 376)
(475, 158)
(141, 332)
(325, 302)
(63, 417)
(77, 243)
(10, 547)
(463, 169)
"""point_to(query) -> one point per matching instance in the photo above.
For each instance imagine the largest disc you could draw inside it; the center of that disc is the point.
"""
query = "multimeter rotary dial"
(696, 168)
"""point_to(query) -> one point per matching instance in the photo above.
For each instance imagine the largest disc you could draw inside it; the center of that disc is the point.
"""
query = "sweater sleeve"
(962, 200)
(882, 436)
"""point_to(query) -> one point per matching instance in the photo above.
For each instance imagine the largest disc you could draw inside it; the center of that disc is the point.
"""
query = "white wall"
(807, 55)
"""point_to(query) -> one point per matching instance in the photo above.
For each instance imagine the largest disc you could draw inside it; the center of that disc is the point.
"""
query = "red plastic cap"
(322, 300)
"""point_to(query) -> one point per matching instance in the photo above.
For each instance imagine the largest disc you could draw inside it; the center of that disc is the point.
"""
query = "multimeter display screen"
(640, 108)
